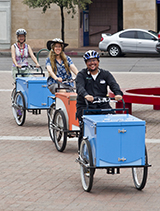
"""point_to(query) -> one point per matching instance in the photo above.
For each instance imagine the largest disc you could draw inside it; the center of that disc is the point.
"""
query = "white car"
(129, 41)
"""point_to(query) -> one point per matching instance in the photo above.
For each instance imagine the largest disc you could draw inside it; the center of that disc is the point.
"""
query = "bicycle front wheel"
(13, 95)
(18, 108)
(140, 174)
(86, 173)
(50, 121)
(60, 130)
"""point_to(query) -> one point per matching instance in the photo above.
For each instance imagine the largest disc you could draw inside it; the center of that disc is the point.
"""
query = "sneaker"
(19, 113)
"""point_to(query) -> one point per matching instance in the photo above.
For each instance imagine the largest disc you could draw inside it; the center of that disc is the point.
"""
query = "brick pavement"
(34, 176)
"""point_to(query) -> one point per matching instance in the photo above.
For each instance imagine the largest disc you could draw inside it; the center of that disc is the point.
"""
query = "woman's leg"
(53, 87)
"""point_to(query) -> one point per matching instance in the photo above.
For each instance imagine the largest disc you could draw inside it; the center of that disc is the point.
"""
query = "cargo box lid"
(32, 79)
(113, 120)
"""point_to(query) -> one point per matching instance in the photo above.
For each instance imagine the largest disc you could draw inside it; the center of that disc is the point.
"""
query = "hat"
(56, 40)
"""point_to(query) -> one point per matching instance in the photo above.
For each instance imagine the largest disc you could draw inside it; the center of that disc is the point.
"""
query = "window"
(144, 35)
(128, 34)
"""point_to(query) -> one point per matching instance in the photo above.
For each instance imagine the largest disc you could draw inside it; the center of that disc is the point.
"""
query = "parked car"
(158, 47)
(129, 41)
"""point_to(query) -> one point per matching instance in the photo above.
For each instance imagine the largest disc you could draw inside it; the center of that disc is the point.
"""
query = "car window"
(153, 32)
(128, 34)
(144, 35)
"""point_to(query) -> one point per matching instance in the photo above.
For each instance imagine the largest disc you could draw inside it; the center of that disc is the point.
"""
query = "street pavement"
(35, 176)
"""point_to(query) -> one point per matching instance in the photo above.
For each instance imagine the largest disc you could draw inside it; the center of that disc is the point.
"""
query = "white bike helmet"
(91, 54)
(21, 31)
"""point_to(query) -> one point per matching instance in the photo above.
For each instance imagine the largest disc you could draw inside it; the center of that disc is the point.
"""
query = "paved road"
(34, 176)
(121, 64)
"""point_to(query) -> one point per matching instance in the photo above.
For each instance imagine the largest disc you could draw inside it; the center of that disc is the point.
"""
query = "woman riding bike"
(59, 65)
(20, 52)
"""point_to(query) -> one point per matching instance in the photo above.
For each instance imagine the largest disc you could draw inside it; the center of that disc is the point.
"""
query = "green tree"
(70, 5)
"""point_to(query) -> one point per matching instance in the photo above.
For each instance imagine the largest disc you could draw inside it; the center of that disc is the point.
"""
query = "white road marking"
(6, 90)
(47, 138)
(30, 138)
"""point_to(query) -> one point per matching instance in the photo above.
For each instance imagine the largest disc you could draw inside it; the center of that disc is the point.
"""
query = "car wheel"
(114, 50)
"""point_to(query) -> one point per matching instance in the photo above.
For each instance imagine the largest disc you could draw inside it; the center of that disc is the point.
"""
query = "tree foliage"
(70, 5)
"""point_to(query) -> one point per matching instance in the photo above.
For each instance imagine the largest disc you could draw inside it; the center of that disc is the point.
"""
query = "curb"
(45, 54)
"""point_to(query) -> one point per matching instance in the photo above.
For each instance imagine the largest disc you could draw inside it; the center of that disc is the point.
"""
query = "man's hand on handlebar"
(118, 97)
(89, 98)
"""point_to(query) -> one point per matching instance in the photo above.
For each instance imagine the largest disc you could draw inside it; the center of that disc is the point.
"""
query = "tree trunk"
(62, 22)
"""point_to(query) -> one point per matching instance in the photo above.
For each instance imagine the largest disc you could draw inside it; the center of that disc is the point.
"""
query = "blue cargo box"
(116, 139)
(35, 92)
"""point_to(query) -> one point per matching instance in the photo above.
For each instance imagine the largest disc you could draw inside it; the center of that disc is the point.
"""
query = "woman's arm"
(51, 73)
(32, 56)
(74, 69)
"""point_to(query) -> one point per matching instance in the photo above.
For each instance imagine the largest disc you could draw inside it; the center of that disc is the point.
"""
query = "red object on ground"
(149, 96)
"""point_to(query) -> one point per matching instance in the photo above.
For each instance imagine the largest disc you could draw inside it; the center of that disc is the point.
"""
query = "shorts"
(54, 86)
(15, 71)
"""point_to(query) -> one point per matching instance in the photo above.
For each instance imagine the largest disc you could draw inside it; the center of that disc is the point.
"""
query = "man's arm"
(80, 85)
(113, 85)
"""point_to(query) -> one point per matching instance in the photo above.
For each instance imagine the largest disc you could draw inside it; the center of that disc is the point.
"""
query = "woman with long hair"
(58, 64)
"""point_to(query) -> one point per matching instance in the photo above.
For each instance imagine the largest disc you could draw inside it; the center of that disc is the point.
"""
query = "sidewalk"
(69, 51)
(35, 176)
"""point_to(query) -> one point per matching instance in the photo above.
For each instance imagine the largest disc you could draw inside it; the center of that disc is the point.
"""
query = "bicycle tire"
(86, 173)
(50, 121)
(18, 108)
(60, 126)
(140, 174)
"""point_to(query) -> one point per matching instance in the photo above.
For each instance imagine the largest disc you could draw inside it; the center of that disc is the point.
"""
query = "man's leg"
(80, 133)
(79, 116)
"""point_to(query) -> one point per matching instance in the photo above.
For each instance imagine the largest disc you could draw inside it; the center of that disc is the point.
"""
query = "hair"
(52, 56)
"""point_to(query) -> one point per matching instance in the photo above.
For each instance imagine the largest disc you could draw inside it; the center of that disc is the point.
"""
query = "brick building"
(102, 16)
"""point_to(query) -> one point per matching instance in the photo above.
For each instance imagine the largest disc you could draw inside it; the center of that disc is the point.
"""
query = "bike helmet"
(21, 31)
(56, 40)
(90, 55)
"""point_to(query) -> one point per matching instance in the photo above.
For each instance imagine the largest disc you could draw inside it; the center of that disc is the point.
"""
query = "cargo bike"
(30, 94)
(62, 122)
(112, 142)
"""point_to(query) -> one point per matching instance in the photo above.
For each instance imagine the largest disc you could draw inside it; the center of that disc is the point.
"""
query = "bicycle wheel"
(59, 130)
(140, 174)
(86, 173)
(18, 108)
(50, 120)
(13, 95)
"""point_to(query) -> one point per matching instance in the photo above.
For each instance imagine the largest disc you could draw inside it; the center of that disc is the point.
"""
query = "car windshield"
(153, 32)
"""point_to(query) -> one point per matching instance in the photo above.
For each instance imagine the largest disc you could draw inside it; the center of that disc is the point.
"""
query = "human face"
(21, 38)
(92, 65)
(57, 48)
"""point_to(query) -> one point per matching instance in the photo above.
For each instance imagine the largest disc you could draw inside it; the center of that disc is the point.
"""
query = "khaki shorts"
(15, 71)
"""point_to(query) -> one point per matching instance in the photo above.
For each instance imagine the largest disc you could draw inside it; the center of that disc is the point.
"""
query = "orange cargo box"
(67, 102)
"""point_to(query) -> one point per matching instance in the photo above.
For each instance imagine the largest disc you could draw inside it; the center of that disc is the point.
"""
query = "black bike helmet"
(90, 55)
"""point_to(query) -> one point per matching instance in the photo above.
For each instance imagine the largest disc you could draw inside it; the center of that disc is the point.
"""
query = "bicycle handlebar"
(65, 80)
(104, 100)
(25, 67)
